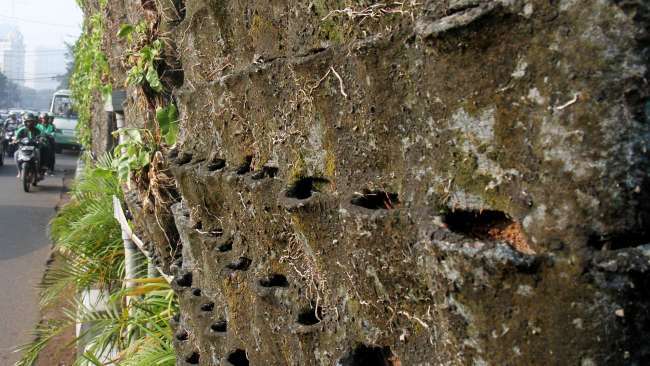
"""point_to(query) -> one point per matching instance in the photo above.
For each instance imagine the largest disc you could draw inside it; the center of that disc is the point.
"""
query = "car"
(65, 134)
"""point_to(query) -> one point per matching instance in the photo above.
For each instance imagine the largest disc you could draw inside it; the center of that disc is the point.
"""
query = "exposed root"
(569, 103)
(304, 265)
(340, 81)
(373, 11)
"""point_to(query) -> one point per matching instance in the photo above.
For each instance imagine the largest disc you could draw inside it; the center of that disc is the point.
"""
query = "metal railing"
(133, 244)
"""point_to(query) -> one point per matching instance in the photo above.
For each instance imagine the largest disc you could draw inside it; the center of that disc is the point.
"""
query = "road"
(24, 250)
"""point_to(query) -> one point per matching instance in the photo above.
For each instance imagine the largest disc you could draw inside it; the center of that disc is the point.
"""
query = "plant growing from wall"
(143, 55)
(134, 153)
(91, 74)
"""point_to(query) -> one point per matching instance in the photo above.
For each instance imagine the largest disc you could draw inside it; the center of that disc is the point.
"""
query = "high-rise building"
(12, 54)
(44, 65)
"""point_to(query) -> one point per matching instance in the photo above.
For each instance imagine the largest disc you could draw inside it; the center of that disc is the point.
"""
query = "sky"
(46, 25)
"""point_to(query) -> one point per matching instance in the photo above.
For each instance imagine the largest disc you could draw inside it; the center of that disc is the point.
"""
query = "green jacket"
(26, 132)
(47, 129)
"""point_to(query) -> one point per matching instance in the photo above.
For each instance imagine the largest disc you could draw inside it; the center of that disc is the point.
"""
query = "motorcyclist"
(28, 130)
(47, 128)
(11, 120)
(10, 124)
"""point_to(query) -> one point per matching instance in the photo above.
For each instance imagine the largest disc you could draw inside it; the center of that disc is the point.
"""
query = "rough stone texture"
(443, 182)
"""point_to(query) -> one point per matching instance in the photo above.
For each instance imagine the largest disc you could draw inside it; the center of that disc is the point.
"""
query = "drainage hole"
(209, 306)
(274, 280)
(240, 264)
(245, 167)
(216, 164)
(193, 359)
(375, 200)
(305, 187)
(182, 335)
(266, 172)
(238, 358)
(219, 327)
(310, 316)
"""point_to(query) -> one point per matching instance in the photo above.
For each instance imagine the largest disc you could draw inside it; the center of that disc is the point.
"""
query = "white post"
(152, 271)
(130, 262)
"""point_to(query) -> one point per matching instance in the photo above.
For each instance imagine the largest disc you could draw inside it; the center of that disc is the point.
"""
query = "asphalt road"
(24, 250)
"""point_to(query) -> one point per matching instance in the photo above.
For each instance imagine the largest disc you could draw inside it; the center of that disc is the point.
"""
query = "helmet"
(27, 117)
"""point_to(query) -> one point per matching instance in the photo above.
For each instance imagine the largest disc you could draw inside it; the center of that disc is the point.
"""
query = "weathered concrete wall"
(440, 182)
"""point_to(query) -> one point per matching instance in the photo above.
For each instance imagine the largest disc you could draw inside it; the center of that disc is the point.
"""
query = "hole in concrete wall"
(216, 233)
(368, 355)
(184, 280)
(310, 316)
(216, 164)
(303, 188)
(375, 200)
(618, 241)
(488, 225)
(245, 167)
(193, 359)
(238, 358)
(148, 5)
(171, 75)
(274, 280)
(173, 154)
(226, 247)
(180, 8)
(266, 172)
(241, 264)
(208, 306)
(196, 292)
(219, 327)
(176, 265)
(182, 335)
(183, 158)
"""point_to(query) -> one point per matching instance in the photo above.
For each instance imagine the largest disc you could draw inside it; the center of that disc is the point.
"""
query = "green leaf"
(125, 30)
(172, 134)
(166, 116)
(134, 136)
(143, 159)
(168, 121)
(152, 78)
(123, 172)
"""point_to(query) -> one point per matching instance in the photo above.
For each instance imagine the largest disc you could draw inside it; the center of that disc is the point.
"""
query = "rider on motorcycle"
(47, 128)
(11, 120)
(28, 130)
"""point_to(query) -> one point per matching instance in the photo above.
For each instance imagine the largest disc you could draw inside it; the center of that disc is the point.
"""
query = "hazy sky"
(43, 23)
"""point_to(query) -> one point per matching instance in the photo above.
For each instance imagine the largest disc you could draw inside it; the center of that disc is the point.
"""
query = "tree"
(9, 94)
(64, 79)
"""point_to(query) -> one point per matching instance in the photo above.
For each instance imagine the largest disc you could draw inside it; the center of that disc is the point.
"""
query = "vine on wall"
(91, 70)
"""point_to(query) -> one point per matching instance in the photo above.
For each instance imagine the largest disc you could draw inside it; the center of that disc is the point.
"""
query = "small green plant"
(144, 66)
(168, 122)
(143, 55)
(134, 154)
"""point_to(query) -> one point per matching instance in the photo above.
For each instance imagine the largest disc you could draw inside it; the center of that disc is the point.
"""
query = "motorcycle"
(29, 162)
(9, 149)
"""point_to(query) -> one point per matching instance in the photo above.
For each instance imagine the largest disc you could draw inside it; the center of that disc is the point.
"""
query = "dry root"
(307, 269)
